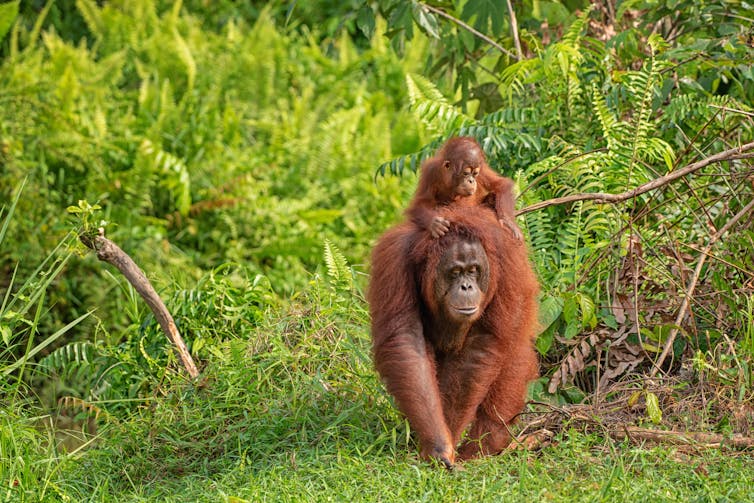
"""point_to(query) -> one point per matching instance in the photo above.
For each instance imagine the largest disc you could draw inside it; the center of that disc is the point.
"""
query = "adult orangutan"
(453, 324)
(459, 175)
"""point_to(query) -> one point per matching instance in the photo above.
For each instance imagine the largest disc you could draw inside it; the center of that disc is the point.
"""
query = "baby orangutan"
(459, 175)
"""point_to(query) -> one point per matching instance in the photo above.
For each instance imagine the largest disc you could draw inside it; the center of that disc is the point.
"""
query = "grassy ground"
(579, 468)
(294, 412)
(264, 158)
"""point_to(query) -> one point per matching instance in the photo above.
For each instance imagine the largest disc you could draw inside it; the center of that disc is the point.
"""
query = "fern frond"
(540, 229)
(337, 138)
(72, 354)
(92, 17)
(657, 149)
(174, 174)
(71, 402)
(597, 227)
(493, 139)
(657, 44)
(72, 361)
(337, 265)
(432, 108)
(641, 85)
(572, 36)
(518, 116)
(694, 108)
(579, 357)
(605, 116)
(412, 161)
(516, 76)
(184, 54)
(568, 244)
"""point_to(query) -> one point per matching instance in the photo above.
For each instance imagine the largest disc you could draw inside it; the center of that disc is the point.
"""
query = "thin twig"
(514, 30)
(690, 438)
(688, 294)
(734, 110)
(726, 263)
(741, 152)
(468, 28)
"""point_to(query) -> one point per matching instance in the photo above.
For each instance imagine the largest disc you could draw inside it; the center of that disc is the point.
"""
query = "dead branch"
(689, 292)
(109, 252)
(734, 110)
(741, 152)
(532, 441)
(542, 437)
(672, 437)
(514, 30)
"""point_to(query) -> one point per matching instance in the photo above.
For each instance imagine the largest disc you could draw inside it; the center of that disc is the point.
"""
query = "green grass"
(294, 412)
(274, 137)
(578, 468)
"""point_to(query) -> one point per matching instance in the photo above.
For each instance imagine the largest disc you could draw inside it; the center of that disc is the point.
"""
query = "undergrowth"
(236, 161)
(291, 409)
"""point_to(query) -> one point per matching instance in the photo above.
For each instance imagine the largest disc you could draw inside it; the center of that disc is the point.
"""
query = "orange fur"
(437, 186)
(477, 382)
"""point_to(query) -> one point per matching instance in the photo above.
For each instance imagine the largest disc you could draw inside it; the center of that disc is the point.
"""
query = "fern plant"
(610, 136)
(168, 174)
(431, 107)
(505, 135)
(337, 265)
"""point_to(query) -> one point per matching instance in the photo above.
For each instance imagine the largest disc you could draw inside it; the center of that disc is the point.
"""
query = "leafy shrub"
(581, 119)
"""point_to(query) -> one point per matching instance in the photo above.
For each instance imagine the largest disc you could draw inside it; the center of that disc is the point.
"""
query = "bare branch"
(734, 110)
(690, 438)
(514, 30)
(109, 252)
(741, 152)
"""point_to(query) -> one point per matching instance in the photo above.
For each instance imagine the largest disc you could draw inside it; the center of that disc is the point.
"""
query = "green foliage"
(243, 145)
(84, 213)
(171, 177)
(581, 119)
(8, 13)
(20, 312)
(235, 147)
(26, 454)
(337, 265)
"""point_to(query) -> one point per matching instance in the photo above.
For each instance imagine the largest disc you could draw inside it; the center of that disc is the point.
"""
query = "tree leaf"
(365, 21)
(572, 329)
(426, 21)
(8, 14)
(634, 398)
(588, 309)
(549, 311)
(544, 340)
(488, 15)
(653, 408)
(570, 309)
